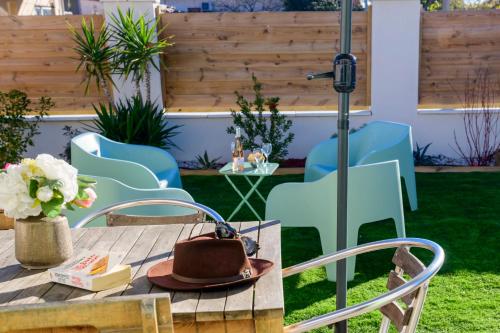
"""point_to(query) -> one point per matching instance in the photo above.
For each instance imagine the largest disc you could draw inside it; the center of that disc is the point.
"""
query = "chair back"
(115, 220)
(404, 315)
(146, 313)
(110, 191)
(376, 136)
(410, 293)
(89, 143)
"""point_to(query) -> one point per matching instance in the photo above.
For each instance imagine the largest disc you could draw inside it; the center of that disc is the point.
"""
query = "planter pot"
(497, 158)
(6, 222)
(42, 242)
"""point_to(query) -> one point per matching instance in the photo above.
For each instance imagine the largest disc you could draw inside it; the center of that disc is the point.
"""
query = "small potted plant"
(35, 192)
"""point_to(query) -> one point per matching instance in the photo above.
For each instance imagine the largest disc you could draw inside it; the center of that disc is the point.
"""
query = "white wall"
(395, 63)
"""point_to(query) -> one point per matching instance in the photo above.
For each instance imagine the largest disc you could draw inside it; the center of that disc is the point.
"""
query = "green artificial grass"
(460, 211)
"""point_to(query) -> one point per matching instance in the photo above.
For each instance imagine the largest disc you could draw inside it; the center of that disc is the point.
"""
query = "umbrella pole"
(344, 82)
(343, 167)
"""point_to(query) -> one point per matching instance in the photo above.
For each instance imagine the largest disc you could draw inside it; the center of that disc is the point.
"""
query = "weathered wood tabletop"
(250, 308)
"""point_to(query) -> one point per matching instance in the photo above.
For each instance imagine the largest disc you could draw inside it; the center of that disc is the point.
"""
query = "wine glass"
(266, 150)
(259, 158)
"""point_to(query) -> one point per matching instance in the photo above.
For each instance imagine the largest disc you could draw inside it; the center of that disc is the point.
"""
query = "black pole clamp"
(343, 74)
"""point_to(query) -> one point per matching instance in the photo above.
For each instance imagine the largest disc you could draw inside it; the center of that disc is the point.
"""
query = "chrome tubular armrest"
(375, 303)
(150, 202)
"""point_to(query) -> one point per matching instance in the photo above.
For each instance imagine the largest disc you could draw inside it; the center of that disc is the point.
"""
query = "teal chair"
(110, 191)
(378, 141)
(135, 165)
(374, 194)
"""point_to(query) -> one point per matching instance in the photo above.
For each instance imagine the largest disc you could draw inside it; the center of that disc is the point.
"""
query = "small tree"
(136, 48)
(16, 132)
(481, 122)
(257, 128)
(95, 55)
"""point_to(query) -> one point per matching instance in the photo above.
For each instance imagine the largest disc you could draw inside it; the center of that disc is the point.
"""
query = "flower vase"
(6, 222)
(42, 243)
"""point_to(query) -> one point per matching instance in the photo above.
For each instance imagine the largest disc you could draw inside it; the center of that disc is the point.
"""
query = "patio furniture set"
(143, 212)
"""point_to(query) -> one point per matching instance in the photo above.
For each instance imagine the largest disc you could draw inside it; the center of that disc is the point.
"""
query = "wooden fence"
(216, 54)
(453, 46)
(36, 56)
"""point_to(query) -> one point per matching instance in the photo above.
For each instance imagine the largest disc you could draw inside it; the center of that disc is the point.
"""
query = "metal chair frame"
(419, 282)
(150, 202)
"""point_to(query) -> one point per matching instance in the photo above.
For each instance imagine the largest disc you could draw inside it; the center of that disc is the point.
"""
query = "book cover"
(92, 270)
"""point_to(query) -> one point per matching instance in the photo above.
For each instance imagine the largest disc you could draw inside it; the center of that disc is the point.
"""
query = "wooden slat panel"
(396, 314)
(408, 262)
(239, 298)
(394, 281)
(24, 284)
(123, 245)
(268, 311)
(37, 57)
(454, 45)
(216, 53)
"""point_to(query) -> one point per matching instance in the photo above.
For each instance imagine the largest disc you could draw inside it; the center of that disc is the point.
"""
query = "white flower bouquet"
(43, 187)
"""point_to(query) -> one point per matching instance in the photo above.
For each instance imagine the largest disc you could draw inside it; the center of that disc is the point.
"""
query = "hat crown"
(210, 259)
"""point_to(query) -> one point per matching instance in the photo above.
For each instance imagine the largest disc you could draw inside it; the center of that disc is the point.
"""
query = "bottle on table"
(238, 154)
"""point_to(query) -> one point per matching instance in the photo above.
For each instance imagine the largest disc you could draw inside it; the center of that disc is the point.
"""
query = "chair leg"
(329, 245)
(411, 191)
(399, 222)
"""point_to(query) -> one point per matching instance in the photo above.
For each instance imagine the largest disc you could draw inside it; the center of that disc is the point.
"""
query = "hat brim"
(161, 276)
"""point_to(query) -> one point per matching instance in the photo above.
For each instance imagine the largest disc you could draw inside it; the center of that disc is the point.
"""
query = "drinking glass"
(259, 158)
(266, 150)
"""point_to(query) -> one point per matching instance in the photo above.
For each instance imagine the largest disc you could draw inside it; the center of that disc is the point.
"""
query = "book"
(92, 270)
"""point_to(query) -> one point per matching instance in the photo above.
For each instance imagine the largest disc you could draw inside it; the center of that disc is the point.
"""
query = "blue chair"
(135, 165)
(374, 194)
(110, 191)
(378, 141)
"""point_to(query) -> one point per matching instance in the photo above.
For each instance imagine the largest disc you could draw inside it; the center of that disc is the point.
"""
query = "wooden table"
(243, 309)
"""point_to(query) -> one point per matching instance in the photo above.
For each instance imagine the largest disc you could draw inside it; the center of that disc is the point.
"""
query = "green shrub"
(135, 121)
(206, 162)
(16, 132)
(258, 129)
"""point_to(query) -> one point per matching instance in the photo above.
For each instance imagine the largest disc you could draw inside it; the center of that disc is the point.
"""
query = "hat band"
(247, 273)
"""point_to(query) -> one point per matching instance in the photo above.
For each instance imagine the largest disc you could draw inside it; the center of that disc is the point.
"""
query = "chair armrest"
(153, 158)
(323, 153)
(376, 303)
(131, 173)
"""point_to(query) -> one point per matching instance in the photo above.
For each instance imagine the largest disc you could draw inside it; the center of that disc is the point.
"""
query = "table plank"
(184, 303)
(136, 257)
(105, 243)
(239, 300)
(42, 282)
(27, 285)
(122, 245)
(268, 298)
(161, 250)
(211, 303)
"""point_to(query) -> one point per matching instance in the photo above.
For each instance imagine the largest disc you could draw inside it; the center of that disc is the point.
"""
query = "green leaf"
(82, 195)
(53, 184)
(86, 179)
(53, 207)
(69, 206)
(33, 188)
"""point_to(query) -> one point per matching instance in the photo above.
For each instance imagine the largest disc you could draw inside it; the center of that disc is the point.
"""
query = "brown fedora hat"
(205, 262)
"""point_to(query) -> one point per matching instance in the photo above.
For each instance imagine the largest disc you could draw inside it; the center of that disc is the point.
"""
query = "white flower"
(44, 194)
(55, 169)
(14, 195)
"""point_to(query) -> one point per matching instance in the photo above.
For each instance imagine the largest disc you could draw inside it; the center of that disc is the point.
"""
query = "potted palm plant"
(35, 192)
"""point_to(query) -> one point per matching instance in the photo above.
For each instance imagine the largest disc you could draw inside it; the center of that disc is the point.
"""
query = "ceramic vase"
(42, 243)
